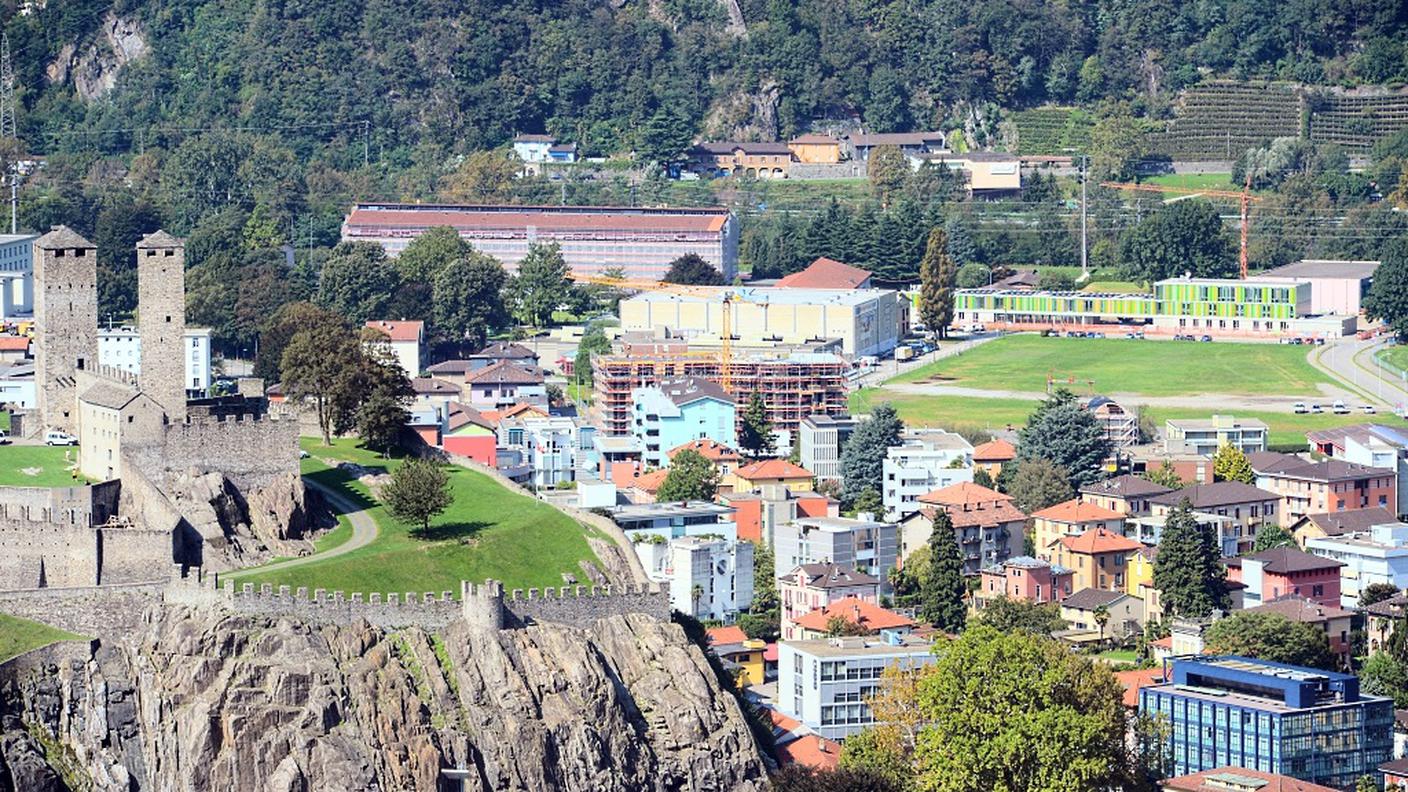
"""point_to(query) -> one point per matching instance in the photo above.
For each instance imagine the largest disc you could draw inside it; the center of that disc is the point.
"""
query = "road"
(1352, 361)
(363, 531)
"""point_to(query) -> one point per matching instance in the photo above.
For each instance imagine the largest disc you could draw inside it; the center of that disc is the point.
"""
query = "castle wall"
(251, 452)
(95, 611)
(39, 547)
(581, 605)
(134, 554)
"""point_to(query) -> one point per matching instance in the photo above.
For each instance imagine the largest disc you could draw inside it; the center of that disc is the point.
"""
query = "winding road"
(363, 531)
(1352, 361)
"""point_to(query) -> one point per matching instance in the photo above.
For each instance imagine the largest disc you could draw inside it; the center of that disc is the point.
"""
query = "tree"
(692, 270)
(1188, 570)
(937, 274)
(1064, 432)
(419, 490)
(1101, 614)
(692, 477)
(1038, 484)
(1009, 615)
(1187, 236)
(942, 590)
(1377, 592)
(1117, 145)
(483, 176)
(1385, 675)
(594, 342)
(982, 478)
(357, 282)
(972, 275)
(1231, 464)
(541, 284)
(663, 139)
(1388, 295)
(863, 455)
(801, 778)
(1271, 637)
(755, 438)
(319, 365)
(1269, 537)
(467, 298)
(434, 250)
(383, 391)
(1165, 476)
(888, 171)
(887, 107)
(279, 329)
(838, 626)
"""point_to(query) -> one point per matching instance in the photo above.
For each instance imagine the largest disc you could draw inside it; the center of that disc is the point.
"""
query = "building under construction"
(792, 387)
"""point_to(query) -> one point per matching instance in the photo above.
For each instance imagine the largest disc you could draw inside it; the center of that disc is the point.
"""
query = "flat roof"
(1208, 423)
(852, 646)
(1222, 281)
(1323, 268)
(655, 511)
(767, 295)
(541, 218)
(8, 238)
(838, 523)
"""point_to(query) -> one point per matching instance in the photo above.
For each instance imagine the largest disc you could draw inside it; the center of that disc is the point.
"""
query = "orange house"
(992, 455)
(1072, 518)
(1097, 557)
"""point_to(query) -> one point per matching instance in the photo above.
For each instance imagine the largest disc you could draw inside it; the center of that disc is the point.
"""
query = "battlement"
(24, 517)
(115, 375)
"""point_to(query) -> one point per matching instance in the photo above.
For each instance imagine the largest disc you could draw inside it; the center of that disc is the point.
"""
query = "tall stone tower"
(66, 323)
(161, 321)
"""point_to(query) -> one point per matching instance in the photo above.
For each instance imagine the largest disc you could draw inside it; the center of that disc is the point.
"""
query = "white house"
(16, 275)
(826, 683)
(404, 339)
(1379, 555)
(548, 445)
(710, 578)
(536, 149)
(924, 461)
(121, 347)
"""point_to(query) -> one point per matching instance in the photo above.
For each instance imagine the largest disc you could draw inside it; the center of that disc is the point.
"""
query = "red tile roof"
(1300, 609)
(772, 469)
(809, 750)
(726, 635)
(710, 449)
(649, 482)
(964, 493)
(825, 273)
(856, 611)
(461, 414)
(364, 218)
(1077, 511)
(1132, 681)
(400, 330)
(495, 416)
(1206, 781)
(995, 451)
(14, 343)
(1099, 540)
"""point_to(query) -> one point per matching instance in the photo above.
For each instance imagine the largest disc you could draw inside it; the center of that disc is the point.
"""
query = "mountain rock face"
(204, 701)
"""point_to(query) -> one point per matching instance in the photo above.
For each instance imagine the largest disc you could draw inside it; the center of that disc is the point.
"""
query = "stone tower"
(66, 323)
(161, 321)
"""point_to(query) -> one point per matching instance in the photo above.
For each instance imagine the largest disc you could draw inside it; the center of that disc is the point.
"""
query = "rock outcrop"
(95, 68)
(243, 529)
(213, 702)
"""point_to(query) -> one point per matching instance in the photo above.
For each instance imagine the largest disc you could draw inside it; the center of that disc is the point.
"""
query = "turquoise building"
(676, 411)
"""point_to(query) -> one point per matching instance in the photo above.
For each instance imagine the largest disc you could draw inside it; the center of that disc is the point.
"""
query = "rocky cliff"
(216, 702)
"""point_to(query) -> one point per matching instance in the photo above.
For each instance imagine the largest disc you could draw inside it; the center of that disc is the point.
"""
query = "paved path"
(363, 531)
(1210, 401)
(1351, 360)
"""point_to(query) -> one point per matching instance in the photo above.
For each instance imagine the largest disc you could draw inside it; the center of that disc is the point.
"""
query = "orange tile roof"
(995, 451)
(825, 273)
(809, 750)
(781, 721)
(14, 343)
(732, 634)
(998, 513)
(711, 450)
(1099, 540)
(1132, 681)
(1165, 642)
(508, 412)
(403, 330)
(772, 469)
(964, 493)
(649, 482)
(1206, 781)
(856, 611)
(1077, 511)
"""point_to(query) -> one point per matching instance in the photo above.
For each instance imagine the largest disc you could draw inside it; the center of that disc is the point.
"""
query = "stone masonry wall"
(66, 318)
(579, 605)
(251, 452)
(95, 611)
(161, 312)
(40, 547)
(133, 554)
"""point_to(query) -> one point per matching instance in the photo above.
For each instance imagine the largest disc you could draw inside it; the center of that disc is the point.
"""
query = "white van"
(1340, 407)
(54, 437)
(1300, 408)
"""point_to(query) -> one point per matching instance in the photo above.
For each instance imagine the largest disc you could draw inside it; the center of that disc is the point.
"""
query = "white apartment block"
(16, 275)
(862, 544)
(121, 347)
(820, 440)
(923, 462)
(825, 684)
(710, 578)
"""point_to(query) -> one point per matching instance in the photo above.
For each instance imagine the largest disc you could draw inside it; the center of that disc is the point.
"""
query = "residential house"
(827, 684)
(987, 174)
(815, 149)
(505, 384)
(1027, 579)
(1332, 524)
(14, 349)
(1239, 779)
(1286, 571)
(738, 652)
(1127, 494)
(1205, 437)
(1229, 711)
(533, 148)
(755, 475)
(863, 616)
(562, 153)
(674, 520)
(989, 529)
(724, 458)
(676, 411)
(740, 158)
(437, 394)
(923, 462)
(1334, 621)
(793, 743)
(468, 434)
(1375, 445)
(1072, 518)
(496, 352)
(619, 458)
(404, 341)
(759, 513)
(1382, 618)
(992, 455)
(825, 273)
(1121, 425)
(1097, 558)
(1124, 613)
(811, 586)
(548, 445)
(709, 578)
(1247, 506)
(861, 544)
(1139, 570)
(820, 440)
(1378, 555)
(859, 146)
(1395, 772)
(1189, 467)
(1332, 485)
(643, 488)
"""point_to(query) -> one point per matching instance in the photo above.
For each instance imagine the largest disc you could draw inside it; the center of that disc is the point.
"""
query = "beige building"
(107, 412)
(814, 149)
(731, 158)
(864, 321)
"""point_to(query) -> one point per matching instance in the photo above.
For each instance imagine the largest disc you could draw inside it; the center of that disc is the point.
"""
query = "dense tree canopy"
(1271, 637)
(1182, 237)
(863, 456)
(1188, 570)
(1064, 433)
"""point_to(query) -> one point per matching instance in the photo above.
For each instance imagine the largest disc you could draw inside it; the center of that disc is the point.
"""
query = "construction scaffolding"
(792, 387)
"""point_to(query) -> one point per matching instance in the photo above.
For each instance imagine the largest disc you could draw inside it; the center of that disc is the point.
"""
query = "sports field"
(1119, 365)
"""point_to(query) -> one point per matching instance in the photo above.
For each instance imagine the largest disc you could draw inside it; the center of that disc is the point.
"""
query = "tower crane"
(1244, 198)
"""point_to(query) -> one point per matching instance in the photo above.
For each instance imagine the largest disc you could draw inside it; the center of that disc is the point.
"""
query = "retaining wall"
(97, 611)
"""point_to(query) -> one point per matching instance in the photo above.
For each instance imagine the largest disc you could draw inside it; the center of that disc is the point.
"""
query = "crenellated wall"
(250, 451)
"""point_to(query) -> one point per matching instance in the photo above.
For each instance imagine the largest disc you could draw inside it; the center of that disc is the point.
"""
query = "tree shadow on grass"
(340, 482)
(454, 531)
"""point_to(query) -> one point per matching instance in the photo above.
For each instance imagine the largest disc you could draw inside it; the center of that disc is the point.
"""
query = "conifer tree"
(1188, 570)
(755, 435)
(937, 275)
(942, 589)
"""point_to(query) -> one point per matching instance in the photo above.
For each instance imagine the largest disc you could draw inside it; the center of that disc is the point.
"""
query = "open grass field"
(963, 412)
(37, 466)
(1395, 356)
(18, 636)
(1193, 181)
(1118, 365)
(487, 532)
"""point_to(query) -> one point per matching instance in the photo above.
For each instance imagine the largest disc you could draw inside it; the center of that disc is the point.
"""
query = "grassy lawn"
(1118, 365)
(963, 412)
(1120, 656)
(487, 532)
(1395, 356)
(37, 466)
(1194, 181)
(18, 636)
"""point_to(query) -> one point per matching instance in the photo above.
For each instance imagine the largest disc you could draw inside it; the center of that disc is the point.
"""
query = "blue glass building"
(1305, 723)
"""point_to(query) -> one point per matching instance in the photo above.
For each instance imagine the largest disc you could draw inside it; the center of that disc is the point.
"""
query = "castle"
(138, 435)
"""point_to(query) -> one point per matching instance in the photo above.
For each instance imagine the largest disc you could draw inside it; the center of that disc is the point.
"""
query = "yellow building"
(756, 475)
(732, 646)
(754, 160)
(1139, 571)
(108, 412)
(1072, 518)
(1097, 557)
(816, 149)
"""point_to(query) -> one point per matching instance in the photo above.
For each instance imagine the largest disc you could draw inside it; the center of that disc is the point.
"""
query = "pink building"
(813, 586)
(1322, 487)
(1026, 578)
(1286, 572)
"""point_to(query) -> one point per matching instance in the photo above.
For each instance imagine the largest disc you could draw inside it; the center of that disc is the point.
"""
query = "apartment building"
(827, 683)
(1332, 485)
(988, 528)
(809, 587)
(925, 460)
(710, 578)
(1204, 437)
(677, 411)
(864, 545)
(820, 440)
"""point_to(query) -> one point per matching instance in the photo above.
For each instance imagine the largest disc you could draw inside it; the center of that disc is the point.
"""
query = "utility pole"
(1084, 177)
(366, 143)
(9, 130)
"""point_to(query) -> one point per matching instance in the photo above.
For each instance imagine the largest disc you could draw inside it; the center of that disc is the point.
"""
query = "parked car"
(54, 437)
(1368, 409)
(1207, 339)
(1300, 408)
(1340, 407)
(4, 437)
(1317, 409)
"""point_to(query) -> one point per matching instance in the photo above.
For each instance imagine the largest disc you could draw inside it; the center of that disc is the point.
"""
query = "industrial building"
(641, 242)
(856, 321)
(792, 387)
(1336, 287)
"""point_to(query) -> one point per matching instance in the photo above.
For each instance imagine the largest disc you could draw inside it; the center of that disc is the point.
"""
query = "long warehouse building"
(641, 242)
